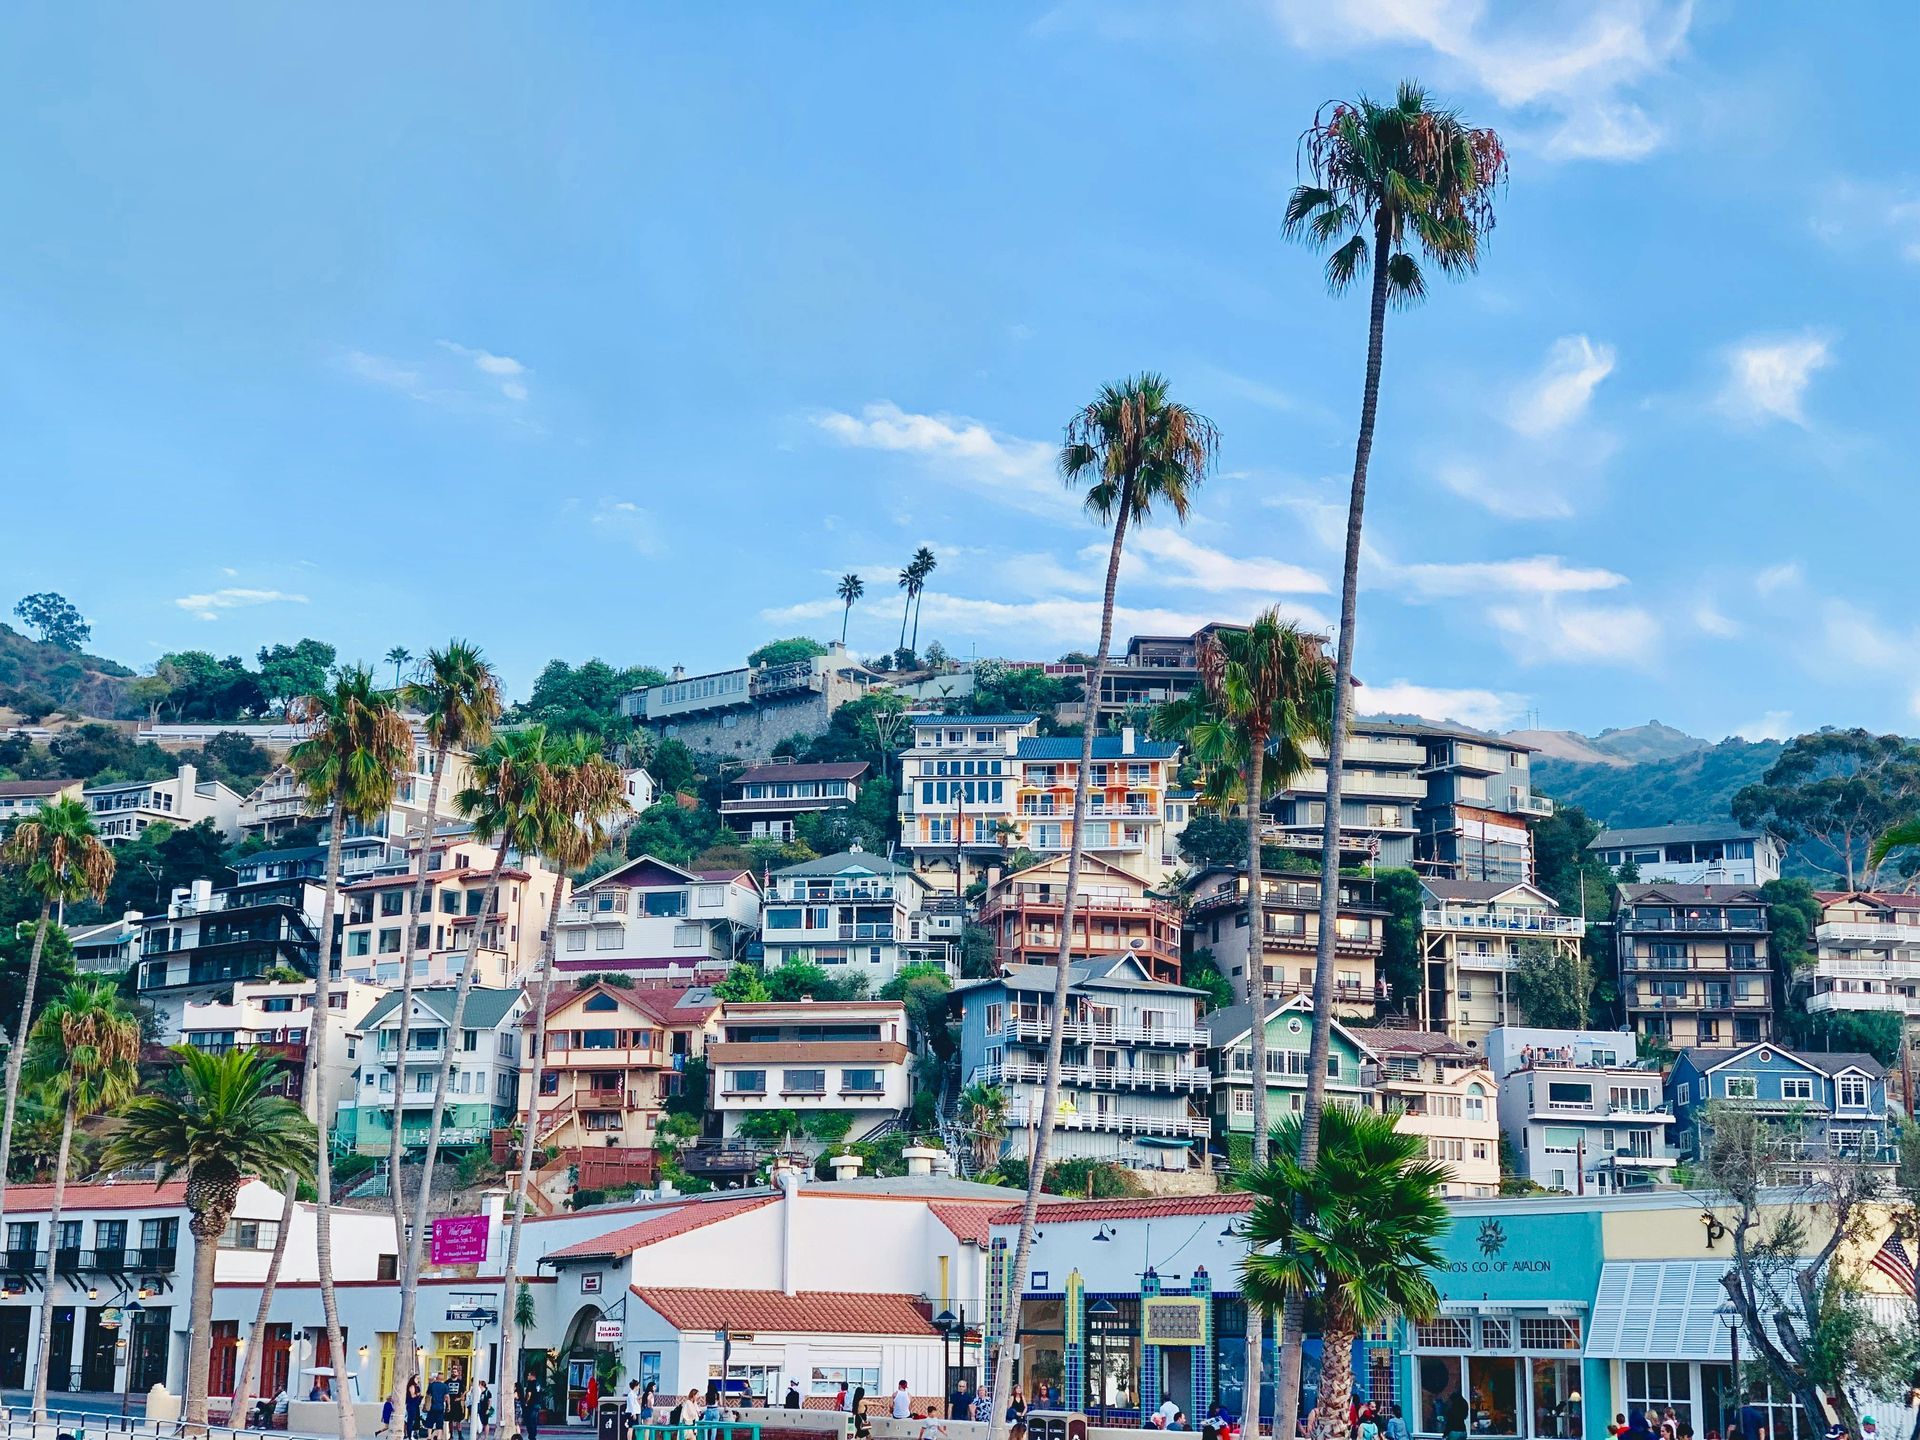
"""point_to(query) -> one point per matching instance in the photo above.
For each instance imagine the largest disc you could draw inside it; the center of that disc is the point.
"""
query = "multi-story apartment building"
(614, 1057)
(1581, 1113)
(1868, 954)
(1126, 798)
(1716, 854)
(122, 811)
(801, 1058)
(857, 914)
(110, 948)
(1472, 934)
(747, 711)
(763, 801)
(1289, 1039)
(482, 1088)
(1153, 670)
(1134, 1077)
(1379, 792)
(207, 940)
(276, 1018)
(1444, 1093)
(279, 802)
(650, 917)
(274, 806)
(1826, 1107)
(1113, 914)
(1216, 918)
(1693, 959)
(959, 782)
(20, 798)
(452, 933)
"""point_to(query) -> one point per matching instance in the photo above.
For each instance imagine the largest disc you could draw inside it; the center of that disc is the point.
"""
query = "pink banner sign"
(460, 1240)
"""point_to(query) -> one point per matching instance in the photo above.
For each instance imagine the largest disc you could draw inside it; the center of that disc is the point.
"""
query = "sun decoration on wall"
(1492, 1237)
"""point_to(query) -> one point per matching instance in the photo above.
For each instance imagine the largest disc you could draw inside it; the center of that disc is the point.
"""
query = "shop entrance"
(14, 1327)
(60, 1374)
(97, 1354)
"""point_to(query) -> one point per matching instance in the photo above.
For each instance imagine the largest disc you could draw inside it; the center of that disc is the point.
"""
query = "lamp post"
(945, 1322)
(1728, 1314)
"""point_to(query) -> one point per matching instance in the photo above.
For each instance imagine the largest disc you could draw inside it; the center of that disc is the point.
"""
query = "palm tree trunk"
(409, 1247)
(919, 598)
(905, 610)
(510, 1284)
(415, 1241)
(53, 1255)
(18, 1054)
(323, 1104)
(845, 615)
(1336, 1380)
(1287, 1402)
(1050, 1093)
(206, 1227)
(1257, 1036)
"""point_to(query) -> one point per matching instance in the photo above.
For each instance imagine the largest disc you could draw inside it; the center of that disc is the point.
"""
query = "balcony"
(1833, 1000)
(1117, 1123)
(1692, 924)
(1689, 964)
(1367, 750)
(1830, 968)
(1504, 922)
(1356, 783)
(1096, 810)
(1104, 1032)
(1061, 844)
(803, 892)
(823, 935)
(622, 1058)
(1871, 935)
(1536, 805)
(1177, 1078)
(122, 1260)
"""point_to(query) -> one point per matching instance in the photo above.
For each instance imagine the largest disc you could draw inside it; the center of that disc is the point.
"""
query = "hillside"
(1568, 745)
(1651, 741)
(1696, 786)
(46, 677)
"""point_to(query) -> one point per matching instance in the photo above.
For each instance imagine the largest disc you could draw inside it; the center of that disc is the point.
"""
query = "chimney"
(1126, 739)
(679, 673)
(920, 1158)
(189, 779)
(202, 892)
(846, 1167)
(786, 1179)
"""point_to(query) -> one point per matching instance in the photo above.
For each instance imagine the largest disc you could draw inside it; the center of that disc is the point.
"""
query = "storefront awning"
(1659, 1310)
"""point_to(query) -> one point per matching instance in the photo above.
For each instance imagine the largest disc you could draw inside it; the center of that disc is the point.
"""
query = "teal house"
(1289, 1034)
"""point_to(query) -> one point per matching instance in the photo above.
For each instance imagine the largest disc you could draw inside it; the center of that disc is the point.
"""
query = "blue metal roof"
(1105, 747)
(974, 719)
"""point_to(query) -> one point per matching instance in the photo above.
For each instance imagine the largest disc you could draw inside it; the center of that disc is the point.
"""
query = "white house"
(808, 1056)
(122, 811)
(855, 913)
(276, 1017)
(656, 918)
(20, 798)
(482, 1088)
(1584, 1115)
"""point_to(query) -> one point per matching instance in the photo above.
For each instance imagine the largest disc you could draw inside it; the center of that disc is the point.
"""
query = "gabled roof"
(1108, 972)
(1829, 1063)
(963, 720)
(1105, 747)
(113, 1195)
(1226, 1025)
(27, 789)
(970, 1224)
(821, 770)
(1059, 863)
(810, 1312)
(486, 1007)
(1482, 892)
(1673, 894)
(1672, 835)
(642, 870)
(1410, 1042)
(1883, 899)
(617, 1244)
(848, 862)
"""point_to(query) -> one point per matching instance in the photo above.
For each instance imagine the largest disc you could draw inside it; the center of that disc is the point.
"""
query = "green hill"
(39, 678)
(1693, 787)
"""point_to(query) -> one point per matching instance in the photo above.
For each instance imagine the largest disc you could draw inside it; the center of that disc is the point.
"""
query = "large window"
(1656, 1384)
(1853, 1092)
(803, 1082)
(746, 1082)
(1555, 1412)
(250, 1234)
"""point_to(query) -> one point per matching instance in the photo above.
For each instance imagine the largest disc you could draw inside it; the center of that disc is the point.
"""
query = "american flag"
(1891, 1259)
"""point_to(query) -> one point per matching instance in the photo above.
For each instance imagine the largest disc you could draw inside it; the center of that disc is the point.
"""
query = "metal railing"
(1518, 922)
(19, 1424)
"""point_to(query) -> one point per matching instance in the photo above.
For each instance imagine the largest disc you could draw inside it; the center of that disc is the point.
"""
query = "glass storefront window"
(1554, 1411)
(1113, 1356)
(1440, 1381)
(1042, 1352)
(1656, 1384)
(1493, 1386)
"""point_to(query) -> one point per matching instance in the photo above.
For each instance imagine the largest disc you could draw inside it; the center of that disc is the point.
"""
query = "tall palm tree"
(82, 1054)
(61, 857)
(983, 1115)
(1387, 181)
(357, 748)
(850, 589)
(1265, 697)
(579, 794)
(1133, 448)
(924, 564)
(459, 696)
(910, 583)
(398, 657)
(215, 1120)
(1358, 1229)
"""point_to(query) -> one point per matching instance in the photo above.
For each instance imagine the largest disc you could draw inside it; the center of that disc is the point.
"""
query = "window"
(1796, 1087)
(390, 941)
(1741, 1087)
(359, 943)
(392, 901)
(250, 1234)
(109, 1234)
(746, 1082)
(1476, 1103)
(1655, 1384)
(803, 1082)
(606, 937)
(576, 939)
(1853, 1092)
(666, 903)
(1242, 1102)
(689, 937)
(860, 1082)
(828, 1379)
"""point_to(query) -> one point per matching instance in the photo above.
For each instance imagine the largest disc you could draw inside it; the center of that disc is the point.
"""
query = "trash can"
(609, 1420)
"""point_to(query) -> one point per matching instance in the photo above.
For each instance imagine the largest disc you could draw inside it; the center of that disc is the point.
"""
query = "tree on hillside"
(1550, 988)
(786, 652)
(57, 618)
(290, 671)
(850, 589)
(924, 564)
(1840, 789)
(159, 860)
(202, 687)
(398, 657)
(1387, 181)
(1212, 839)
(584, 699)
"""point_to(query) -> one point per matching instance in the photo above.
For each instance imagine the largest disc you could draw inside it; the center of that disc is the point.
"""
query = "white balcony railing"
(1850, 934)
(1025, 1027)
(1857, 1000)
(1099, 1077)
(1506, 922)
(1119, 1123)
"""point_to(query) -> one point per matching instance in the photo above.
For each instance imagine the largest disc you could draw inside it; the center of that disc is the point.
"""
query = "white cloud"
(1854, 214)
(1563, 389)
(1709, 619)
(1534, 575)
(1483, 709)
(1767, 378)
(1856, 636)
(1549, 633)
(470, 382)
(1570, 64)
(1014, 471)
(1171, 558)
(1774, 725)
(502, 368)
(624, 520)
(380, 370)
(209, 605)
(1775, 578)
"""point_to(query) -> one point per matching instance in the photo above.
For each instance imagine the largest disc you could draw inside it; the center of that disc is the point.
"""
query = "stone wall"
(750, 733)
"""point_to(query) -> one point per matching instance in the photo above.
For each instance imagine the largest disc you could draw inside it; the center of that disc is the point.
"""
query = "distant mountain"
(1693, 786)
(1567, 745)
(45, 677)
(1651, 741)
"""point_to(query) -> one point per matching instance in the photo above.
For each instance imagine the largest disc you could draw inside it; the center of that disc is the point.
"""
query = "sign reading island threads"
(460, 1240)
(1173, 1320)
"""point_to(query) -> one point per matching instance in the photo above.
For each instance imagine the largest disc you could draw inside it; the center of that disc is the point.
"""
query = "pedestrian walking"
(414, 1400)
(437, 1406)
(483, 1412)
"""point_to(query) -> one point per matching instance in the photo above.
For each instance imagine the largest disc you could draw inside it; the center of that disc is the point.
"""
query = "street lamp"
(1728, 1314)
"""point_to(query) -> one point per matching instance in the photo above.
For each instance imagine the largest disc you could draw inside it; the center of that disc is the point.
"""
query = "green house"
(1289, 1036)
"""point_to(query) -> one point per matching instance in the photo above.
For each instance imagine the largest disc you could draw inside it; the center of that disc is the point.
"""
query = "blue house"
(1834, 1104)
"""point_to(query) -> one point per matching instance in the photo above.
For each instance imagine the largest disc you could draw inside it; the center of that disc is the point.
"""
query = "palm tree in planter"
(1358, 1230)
(580, 791)
(459, 696)
(351, 762)
(215, 1121)
(82, 1056)
(1265, 699)
(1387, 180)
(61, 857)
(1134, 448)
(850, 589)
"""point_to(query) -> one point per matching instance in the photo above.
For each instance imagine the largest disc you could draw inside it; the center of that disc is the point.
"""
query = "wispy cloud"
(506, 371)
(1767, 378)
(1533, 575)
(460, 378)
(1868, 215)
(1511, 497)
(1552, 633)
(1563, 389)
(381, 370)
(1171, 558)
(624, 520)
(1483, 709)
(1774, 725)
(1785, 575)
(209, 605)
(1568, 70)
(1710, 619)
(1016, 472)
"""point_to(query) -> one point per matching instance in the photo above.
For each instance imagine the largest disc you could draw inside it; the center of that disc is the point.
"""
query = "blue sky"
(626, 330)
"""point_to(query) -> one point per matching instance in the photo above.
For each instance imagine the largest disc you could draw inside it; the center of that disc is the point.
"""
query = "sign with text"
(1173, 1320)
(607, 1332)
(460, 1240)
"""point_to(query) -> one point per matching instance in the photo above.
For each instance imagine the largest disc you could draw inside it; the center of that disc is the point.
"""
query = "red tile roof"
(811, 1312)
(1890, 899)
(1150, 1207)
(116, 1195)
(969, 1223)
(695, 1215)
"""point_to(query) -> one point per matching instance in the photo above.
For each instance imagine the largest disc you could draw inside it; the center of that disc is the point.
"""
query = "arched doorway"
(580, 1358)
